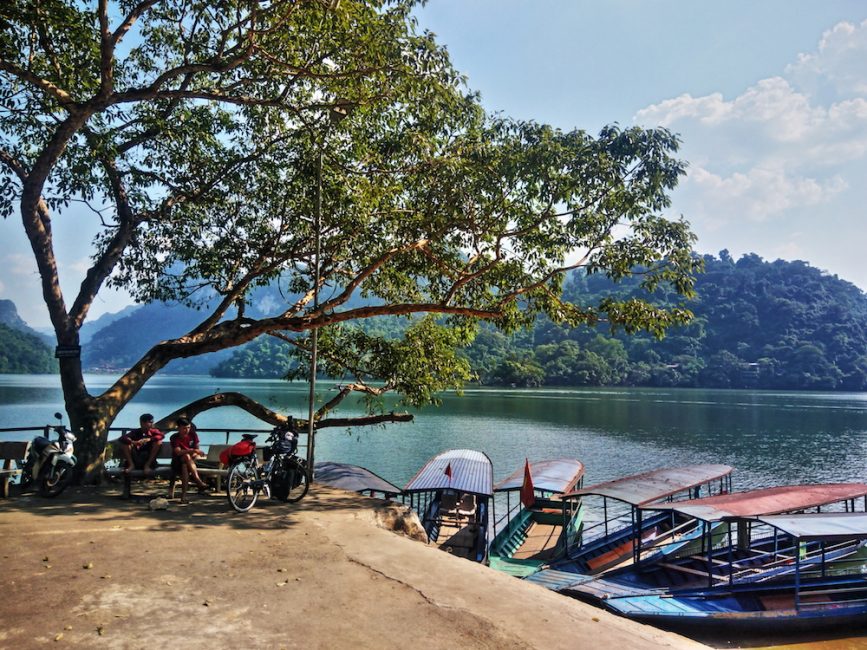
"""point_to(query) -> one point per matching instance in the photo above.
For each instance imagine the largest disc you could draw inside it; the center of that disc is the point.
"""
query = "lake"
(770, 438)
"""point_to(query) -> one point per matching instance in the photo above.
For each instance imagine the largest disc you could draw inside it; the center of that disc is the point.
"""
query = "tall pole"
(317, 217)
(337, 113)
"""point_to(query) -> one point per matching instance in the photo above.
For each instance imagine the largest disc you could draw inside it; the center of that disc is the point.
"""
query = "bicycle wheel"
(298, 484)
(240, 486)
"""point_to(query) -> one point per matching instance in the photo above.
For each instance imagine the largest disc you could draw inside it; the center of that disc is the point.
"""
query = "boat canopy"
(820, 525)
(470, 471)
(353, 478)
(647, 487)
(766, 501)
(558, 476)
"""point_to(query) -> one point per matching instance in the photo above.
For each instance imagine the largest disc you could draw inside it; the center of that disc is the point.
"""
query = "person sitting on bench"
(185, 450)
(141, 446)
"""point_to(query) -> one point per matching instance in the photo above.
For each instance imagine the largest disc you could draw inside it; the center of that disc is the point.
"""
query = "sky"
(768, 97)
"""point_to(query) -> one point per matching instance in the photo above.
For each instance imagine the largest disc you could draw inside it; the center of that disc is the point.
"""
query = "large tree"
(194, 129)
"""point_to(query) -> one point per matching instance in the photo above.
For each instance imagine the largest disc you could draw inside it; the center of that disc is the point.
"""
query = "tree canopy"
(194, 132)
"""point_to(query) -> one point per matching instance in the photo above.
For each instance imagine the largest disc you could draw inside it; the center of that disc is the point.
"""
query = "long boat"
(810, 577)
(452, 494)
(724, 521)
(541, 525)
(608, 542)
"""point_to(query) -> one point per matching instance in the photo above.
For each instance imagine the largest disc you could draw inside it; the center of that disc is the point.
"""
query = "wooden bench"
(164, 470)
(209, 467)
(11, 452)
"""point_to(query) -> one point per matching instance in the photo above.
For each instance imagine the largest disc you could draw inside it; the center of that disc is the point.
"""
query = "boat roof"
(766, 501)
(647, 487)
(821, 525)
(353, 478)
(472, 472)
(559, 476)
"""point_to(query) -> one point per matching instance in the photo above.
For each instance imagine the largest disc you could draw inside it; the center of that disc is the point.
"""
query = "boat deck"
(540, 542)
(458, 537)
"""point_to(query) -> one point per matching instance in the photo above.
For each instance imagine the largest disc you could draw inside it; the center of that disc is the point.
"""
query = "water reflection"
(771, 438)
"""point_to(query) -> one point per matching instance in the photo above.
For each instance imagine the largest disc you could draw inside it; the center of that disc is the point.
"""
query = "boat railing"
(602, 528)
(786, 559)
(658, 543)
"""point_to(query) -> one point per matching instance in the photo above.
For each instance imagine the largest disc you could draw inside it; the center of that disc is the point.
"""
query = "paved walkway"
(91, 570)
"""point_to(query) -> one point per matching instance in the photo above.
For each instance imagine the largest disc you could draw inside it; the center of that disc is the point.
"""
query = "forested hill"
(782, 325)
(22, 352)
(758, 324)
(22, 349)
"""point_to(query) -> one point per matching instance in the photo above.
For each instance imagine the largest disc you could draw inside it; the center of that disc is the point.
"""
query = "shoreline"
(89, 569)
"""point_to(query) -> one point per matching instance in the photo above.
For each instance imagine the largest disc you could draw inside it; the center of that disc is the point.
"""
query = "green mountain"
(122, 342)
(9, 317)
(21, 352)
(758, 324)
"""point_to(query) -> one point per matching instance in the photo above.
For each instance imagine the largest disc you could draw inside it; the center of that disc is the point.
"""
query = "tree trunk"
(89, 420)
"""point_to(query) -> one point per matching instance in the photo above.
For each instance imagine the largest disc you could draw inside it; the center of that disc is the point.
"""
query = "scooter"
(49, 465)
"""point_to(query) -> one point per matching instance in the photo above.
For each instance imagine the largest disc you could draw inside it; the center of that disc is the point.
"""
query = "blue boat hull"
(823, 604)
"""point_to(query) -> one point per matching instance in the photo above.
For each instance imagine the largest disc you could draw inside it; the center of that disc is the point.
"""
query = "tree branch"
(265, 414)
(63, 97)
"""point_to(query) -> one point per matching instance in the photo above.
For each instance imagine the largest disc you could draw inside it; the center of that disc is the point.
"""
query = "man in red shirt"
(185, 450)
(141, 446)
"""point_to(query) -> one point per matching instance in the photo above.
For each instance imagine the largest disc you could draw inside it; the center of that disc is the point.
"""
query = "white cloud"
(783, 154)
(839, 61)
(789, 250)
(771, 113)
(711, 109)
(756, 193)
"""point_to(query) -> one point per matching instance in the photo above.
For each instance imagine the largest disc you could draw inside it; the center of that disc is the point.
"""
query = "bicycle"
(283, 474)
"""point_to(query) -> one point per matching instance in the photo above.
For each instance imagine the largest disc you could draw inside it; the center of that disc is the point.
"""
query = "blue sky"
(769, 98)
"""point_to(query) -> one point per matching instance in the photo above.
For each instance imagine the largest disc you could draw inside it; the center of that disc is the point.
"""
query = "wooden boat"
(727, 544)
(354, 479)
(607, 543)
(810, 578)
(541, 525)
(452, 493)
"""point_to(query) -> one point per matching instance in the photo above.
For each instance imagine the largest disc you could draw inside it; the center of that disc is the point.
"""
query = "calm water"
(770, 438)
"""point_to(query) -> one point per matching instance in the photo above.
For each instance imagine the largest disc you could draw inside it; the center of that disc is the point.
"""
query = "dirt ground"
(91, 570)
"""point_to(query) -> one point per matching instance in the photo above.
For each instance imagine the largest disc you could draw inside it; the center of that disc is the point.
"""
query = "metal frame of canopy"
(822, 527)
(550, 477)
(655, 485)
(527, 536)
(458, 472)
(744, 508)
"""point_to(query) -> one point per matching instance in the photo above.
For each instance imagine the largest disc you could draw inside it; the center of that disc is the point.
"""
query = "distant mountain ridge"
(90, 328)
(758, 324)
(22, 349)
(9, 317)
